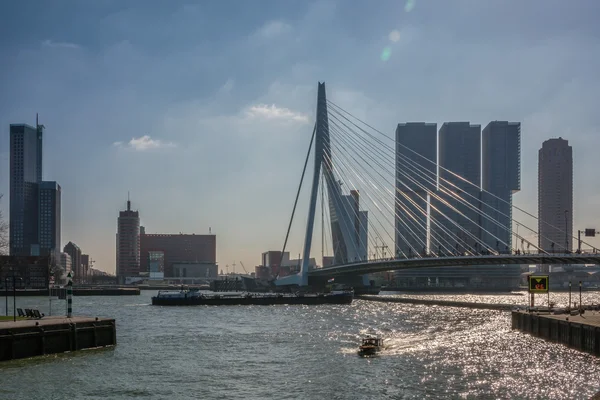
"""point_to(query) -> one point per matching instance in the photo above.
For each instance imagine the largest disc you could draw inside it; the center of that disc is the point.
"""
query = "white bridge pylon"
(348, 223)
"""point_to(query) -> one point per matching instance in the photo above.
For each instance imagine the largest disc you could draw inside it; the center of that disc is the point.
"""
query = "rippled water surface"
(301, 352)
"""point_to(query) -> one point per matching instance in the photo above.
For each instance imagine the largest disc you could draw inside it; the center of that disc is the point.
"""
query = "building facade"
(501, 178)
(65, 262)
(128, 243)
(25, 177)
(75, 253)
(457, 224)
(555, 195)
(50, 218)
(176, 248)
(416, 176)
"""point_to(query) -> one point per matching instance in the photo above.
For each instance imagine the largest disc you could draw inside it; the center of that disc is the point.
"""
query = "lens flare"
(394, 35)
(410, 4)
(386, 53)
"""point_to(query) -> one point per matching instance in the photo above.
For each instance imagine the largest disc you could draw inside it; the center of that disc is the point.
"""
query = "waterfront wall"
(573, 331)
(433, 302)
(24, 339)
(61, 293)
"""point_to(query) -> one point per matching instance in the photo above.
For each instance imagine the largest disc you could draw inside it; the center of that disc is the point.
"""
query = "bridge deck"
(456, 261)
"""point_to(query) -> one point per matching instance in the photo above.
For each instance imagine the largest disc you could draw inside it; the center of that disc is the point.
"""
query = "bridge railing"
(516, 253)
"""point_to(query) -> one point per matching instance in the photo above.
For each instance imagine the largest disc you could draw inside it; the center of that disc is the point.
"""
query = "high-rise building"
(85, 266)
(128, 243)
(75, 253)
(501, 178)
(49, 218)
(416, 176)
(35, 205)
(65, 262)
(555, 195)
(25, 177)
(460, 154)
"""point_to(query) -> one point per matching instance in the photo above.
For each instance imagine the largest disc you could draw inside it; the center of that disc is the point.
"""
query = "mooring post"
(69, 296)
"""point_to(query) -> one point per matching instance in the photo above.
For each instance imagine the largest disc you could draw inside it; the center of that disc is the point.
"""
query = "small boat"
(370, 345)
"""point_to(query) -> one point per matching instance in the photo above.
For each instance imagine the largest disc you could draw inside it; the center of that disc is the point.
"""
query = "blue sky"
(203, 110)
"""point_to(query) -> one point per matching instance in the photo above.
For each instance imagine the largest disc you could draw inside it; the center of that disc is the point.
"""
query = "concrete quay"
(433, 302)
(51, 335)
(580, 332)
(77, 291)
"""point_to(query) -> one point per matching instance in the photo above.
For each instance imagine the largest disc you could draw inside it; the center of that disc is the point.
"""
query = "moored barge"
(195, 298)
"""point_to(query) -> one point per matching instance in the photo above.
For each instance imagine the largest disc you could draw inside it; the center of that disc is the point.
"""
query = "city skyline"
(202, 140)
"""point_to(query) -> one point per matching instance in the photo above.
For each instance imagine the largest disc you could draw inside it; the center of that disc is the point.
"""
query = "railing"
(468, 255)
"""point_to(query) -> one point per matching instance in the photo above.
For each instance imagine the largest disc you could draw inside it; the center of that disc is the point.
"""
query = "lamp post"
(6, 293)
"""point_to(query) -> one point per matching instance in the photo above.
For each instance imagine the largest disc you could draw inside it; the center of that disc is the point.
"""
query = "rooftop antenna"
(128, 202)
(209, 230)
(38, 127)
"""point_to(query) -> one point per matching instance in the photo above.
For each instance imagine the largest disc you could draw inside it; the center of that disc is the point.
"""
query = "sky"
(203, 111)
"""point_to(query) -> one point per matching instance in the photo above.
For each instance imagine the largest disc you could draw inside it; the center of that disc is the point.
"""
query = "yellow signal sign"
(538, 284)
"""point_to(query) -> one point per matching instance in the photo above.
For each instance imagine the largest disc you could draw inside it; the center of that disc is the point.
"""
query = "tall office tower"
(128, 243)
(25, 177)
(49, 219)
(501, 178)
(75, 253)
(416, 175)
(555, 195)
(459, 153)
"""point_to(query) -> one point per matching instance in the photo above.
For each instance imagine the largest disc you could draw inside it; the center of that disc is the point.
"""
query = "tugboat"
(370, 345)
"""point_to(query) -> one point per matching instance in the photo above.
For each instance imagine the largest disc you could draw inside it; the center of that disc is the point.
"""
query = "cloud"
(274, 112)
(143, 143)
(64, 45)
(273, 29)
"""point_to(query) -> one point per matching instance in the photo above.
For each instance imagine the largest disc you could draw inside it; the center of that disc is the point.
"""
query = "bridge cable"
(296, 201)
(463, 179)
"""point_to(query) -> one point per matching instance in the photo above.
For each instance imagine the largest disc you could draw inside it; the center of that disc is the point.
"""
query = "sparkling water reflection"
(301, 352)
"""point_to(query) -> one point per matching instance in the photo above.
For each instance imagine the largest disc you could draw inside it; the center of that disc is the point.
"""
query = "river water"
(301, 352)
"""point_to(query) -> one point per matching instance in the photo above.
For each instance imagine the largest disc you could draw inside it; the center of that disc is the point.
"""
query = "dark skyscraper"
(25, 178)
(460, 153)
(555, 195)
(49, 218)
(415, 176)
(501, 154)
(128, 243)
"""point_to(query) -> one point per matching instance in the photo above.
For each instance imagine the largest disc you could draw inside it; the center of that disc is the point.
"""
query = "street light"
(14, 279)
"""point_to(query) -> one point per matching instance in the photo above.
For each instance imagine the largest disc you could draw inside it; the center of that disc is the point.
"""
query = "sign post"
(69, 296)
(539, 284)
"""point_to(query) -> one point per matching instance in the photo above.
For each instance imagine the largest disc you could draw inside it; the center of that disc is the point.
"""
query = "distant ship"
(195, 298)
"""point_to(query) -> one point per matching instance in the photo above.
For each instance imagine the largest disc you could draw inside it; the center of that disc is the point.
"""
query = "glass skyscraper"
(416, 175)
(25, 177)
(35, 205)
(459, 153)
(501, 154)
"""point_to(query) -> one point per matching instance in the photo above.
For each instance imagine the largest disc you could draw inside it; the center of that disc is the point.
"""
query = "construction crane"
(242, 264)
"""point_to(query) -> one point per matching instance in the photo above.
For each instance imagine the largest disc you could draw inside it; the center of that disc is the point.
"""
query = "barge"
(195, 298)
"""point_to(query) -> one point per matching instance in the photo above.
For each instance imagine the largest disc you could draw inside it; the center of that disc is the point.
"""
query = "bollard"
(69, 296)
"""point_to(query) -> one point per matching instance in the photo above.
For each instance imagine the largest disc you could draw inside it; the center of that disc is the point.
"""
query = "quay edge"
(578, 332)
(52, 335)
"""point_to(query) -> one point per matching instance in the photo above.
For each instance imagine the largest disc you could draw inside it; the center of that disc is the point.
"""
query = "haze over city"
(204, 115)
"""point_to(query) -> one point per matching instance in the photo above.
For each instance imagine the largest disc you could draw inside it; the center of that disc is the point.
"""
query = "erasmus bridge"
(378, 194)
